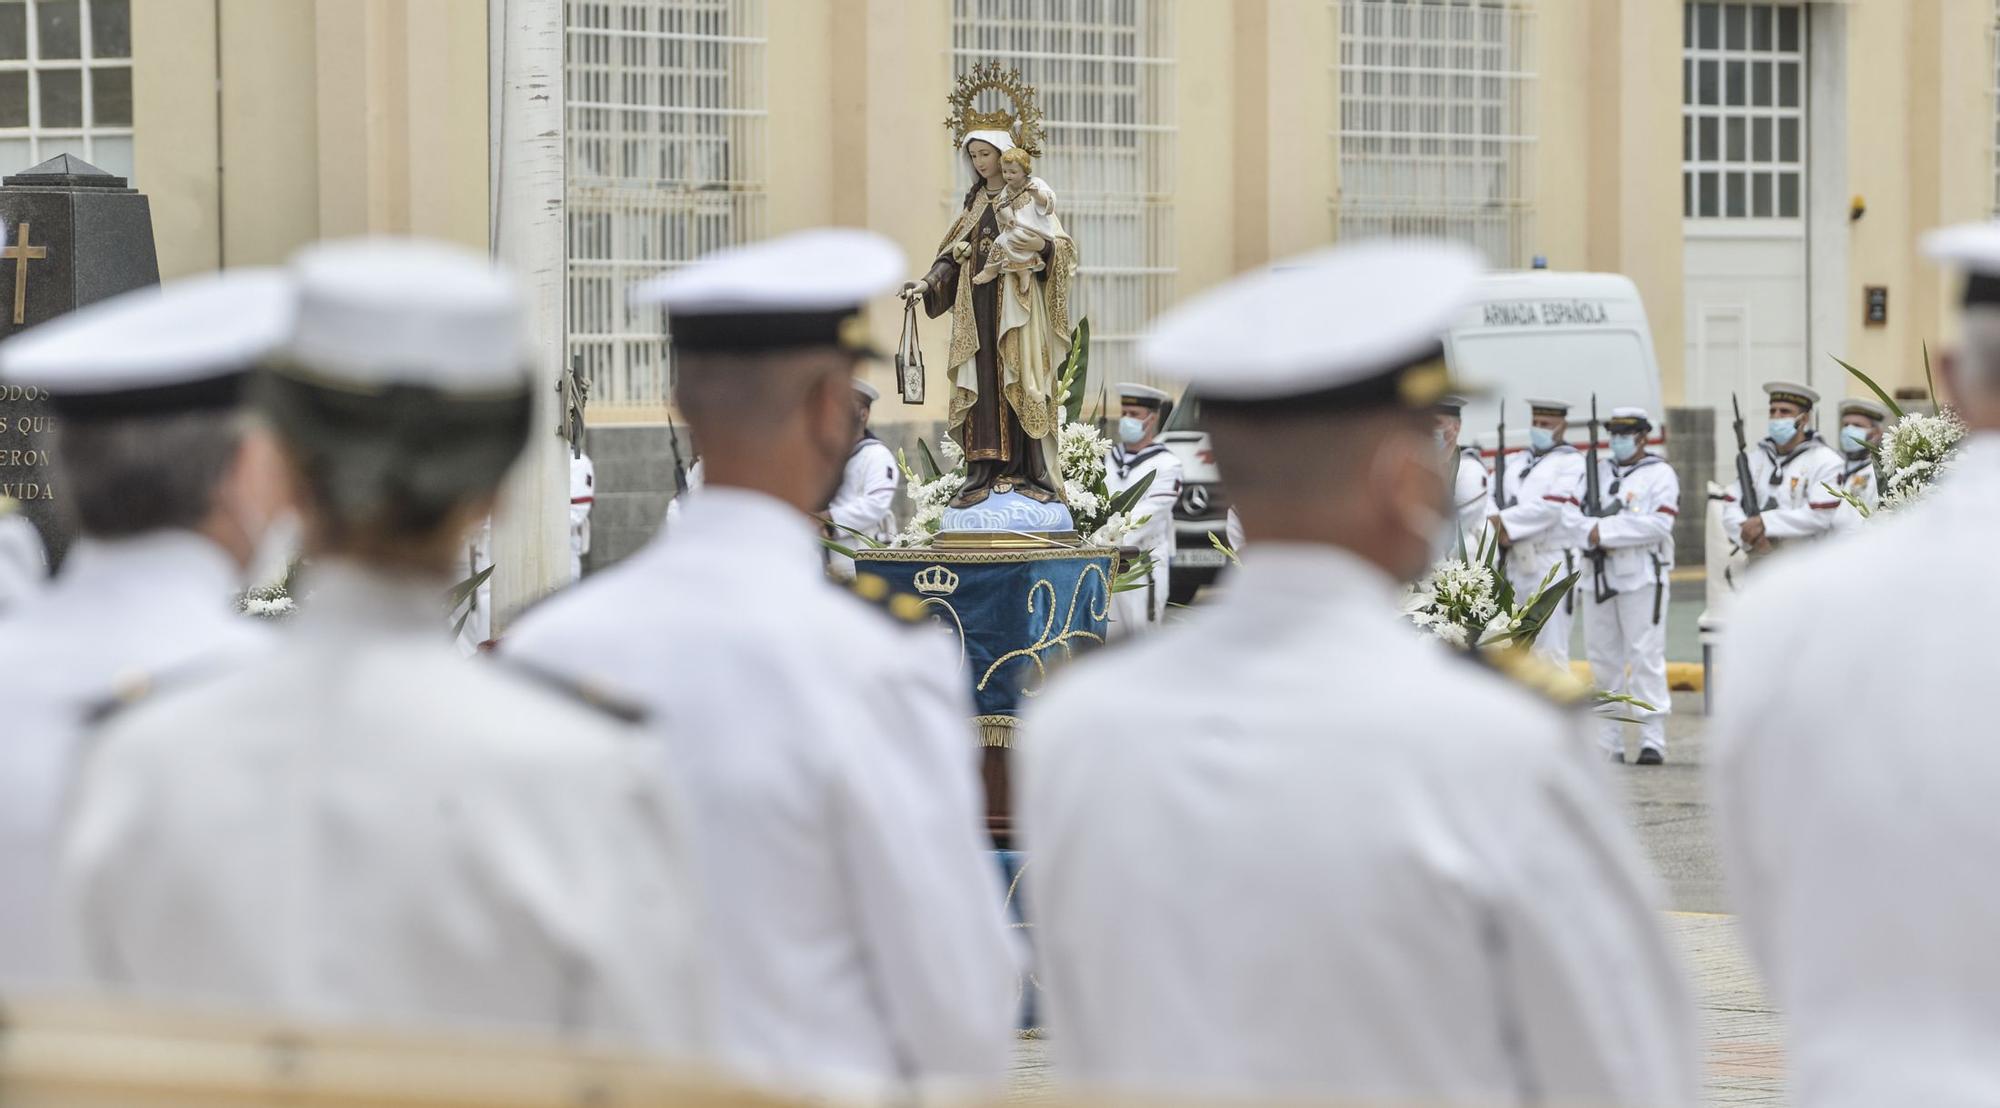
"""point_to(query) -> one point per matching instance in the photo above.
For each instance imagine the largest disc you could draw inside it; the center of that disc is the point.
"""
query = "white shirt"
(1855, 817)
(1123, 470)
(365, 827)
(582, 497)
(1798, 507)
(1472, 491)
(23, 562)
(1639, 539)
(859, 939)
(1544, 494)
(122, 614)
(865, 501)
(1337, 862)
(1857, 479)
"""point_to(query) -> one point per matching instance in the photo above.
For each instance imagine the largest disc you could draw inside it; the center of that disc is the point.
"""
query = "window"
(666, 143)
(1436, 122)
(1743, 115)
(1104, 74)
(66, 83)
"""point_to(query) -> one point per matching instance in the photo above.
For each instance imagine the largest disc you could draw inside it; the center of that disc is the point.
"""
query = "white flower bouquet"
(1468, 602)
(1916, 449)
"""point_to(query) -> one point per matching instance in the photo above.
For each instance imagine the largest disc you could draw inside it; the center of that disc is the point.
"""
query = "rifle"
(1593, 508)
(1747, 484)
(674, 441)
(1500, 476)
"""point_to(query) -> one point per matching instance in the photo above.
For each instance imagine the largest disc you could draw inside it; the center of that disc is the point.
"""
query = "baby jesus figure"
(1026, 215)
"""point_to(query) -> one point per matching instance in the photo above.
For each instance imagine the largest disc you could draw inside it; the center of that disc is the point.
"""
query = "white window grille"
(66, 83)
(666, 140)
(1743, 116)
(1437, 128)
(1104, 71)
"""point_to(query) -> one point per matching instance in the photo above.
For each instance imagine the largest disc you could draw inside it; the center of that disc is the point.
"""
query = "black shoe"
(1650, 757)
(1618, 756)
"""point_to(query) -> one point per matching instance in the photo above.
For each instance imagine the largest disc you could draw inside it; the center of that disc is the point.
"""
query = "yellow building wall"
(263, 125)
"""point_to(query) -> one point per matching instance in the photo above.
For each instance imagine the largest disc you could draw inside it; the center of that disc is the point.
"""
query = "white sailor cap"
(1791, 392)
(383, 311)
(1548, 407)
(186, 345)
(1451, 404)
(803, 289)
(1353, 326)
(868, 392)
(1131, 392)
(1974, 247)
(1626, 420)
(1855, 405)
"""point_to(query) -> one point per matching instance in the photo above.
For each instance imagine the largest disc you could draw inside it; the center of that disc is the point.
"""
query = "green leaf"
(461, 592)
(930, 461)
(1849, 498)
(1135, 575)
(1888, 401)
(1228, 551)
(1124, 501)
(843, 551)
(873, 542)
(1076, 372)
(1930, 385)
(1542, 606)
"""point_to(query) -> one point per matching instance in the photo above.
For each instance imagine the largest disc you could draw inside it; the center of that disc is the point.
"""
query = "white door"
(1744, 202)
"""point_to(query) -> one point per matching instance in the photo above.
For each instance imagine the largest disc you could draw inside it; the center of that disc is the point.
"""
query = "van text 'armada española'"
(1545, 313)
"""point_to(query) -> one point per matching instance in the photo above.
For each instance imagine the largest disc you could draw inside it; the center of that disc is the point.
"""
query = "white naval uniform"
(1137, 608)
(582, 498)
(364, 827)
(23, 562)
(1856, 822)
(865, 501)
(1857, 479)
(1341, 862)
(123, 613)
(858, 940)
(1542, 514)
(1797, 508)
(1626, 635)
(1471, 498)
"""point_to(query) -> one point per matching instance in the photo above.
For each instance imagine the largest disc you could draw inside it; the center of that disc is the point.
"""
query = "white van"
(1560, 336)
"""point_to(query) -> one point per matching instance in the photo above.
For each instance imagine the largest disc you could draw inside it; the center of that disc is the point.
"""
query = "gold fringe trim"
(995, 731)
(948, 556)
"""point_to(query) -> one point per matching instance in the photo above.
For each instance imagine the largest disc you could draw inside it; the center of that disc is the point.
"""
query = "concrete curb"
(1681, 676)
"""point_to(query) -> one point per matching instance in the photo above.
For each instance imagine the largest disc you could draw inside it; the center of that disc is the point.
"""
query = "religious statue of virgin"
(1004, 272)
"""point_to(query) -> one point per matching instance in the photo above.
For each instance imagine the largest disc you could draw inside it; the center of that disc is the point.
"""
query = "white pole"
(525, 117)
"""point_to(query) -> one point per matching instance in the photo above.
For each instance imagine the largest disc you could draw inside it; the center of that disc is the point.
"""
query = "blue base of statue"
(1010, 512)
(1014, 615)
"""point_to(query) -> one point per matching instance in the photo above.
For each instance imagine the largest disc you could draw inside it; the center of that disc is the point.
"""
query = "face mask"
(1624, 447)
(1782, 430)
(1438, 437)
(1131, 430)
(1541, 438)
(1854, 439)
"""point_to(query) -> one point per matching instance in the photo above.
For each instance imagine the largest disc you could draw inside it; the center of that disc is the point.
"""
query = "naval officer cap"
(1855, 405)
(1791, 392)
(1350, 327)
(380, 312)
(187, 345)
(1975, 248)
(796, 291)
(1626, 421)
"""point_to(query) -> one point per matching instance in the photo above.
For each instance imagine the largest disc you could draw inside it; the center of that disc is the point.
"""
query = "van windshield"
(1186, 415)
(1568, 366)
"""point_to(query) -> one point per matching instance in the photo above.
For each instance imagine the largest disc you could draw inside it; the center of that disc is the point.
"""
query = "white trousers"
(1628, 655)
(1525, 571)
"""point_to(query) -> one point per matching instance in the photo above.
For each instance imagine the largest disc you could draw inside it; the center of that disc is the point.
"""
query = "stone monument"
(70, 234)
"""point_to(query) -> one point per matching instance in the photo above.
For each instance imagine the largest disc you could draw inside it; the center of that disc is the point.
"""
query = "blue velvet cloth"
(1017, 614)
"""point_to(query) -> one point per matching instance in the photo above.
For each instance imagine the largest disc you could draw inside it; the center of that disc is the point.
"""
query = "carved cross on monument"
(22, 253)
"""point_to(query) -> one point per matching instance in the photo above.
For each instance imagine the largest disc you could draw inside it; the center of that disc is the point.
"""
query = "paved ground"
(1739, 1030)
